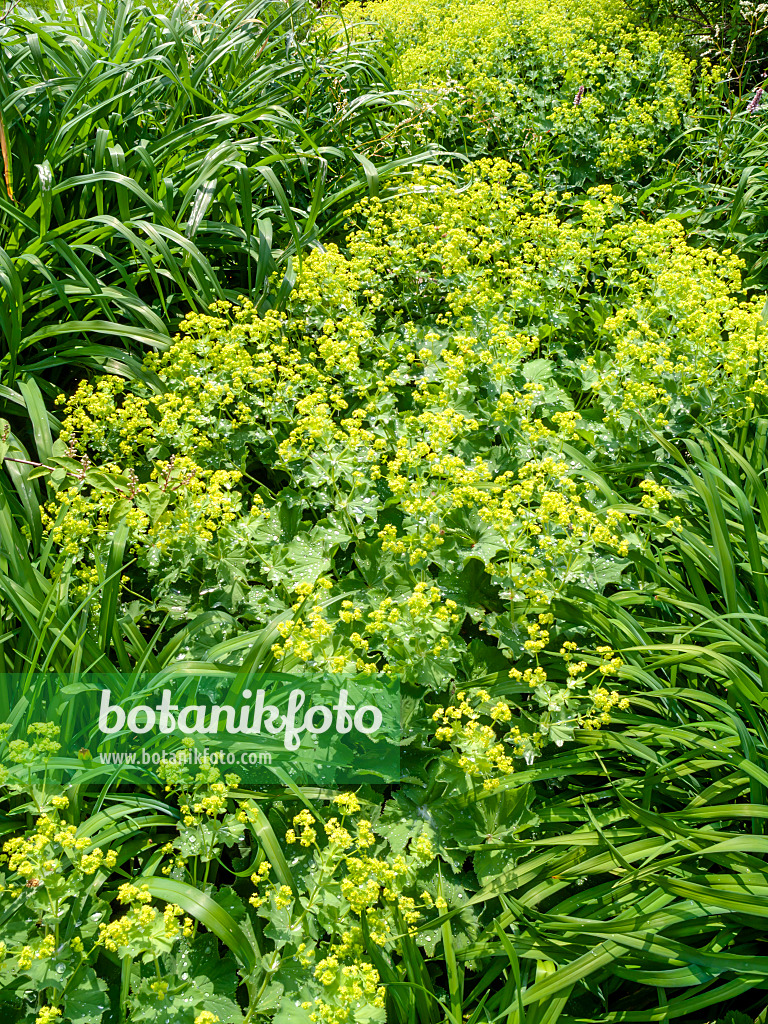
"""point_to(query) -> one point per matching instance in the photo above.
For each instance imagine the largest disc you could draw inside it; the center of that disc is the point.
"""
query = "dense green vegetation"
(420, 340)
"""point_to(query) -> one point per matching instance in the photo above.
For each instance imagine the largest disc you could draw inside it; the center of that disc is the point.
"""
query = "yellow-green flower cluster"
(48, 1015)
(477, 724)
(382, 887)
(203, 802)
(303, 830)
(424, 616)
(351, 984)
(41, 854)
(43, 746)
(610, 89)
(143, 929)
(157, 458)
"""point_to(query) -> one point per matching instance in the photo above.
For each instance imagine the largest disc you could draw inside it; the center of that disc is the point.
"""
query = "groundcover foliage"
(354, 341)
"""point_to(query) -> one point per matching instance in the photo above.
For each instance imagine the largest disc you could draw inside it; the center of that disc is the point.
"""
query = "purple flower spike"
(577, 98)
(754, 103)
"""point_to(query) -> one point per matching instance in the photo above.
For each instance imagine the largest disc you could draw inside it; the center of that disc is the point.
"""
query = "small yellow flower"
(48, 1015)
